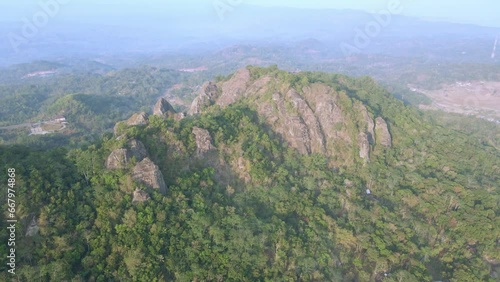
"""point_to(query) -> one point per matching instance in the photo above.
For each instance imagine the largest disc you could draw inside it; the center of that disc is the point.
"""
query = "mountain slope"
(265, 181)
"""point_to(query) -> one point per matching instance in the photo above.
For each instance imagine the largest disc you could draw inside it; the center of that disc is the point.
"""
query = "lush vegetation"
(92, 102)
(255, 210)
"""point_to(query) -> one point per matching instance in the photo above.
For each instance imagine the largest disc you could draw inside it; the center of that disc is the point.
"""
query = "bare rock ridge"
(384, 137)
(313, 119)
(235, 88)
(203, 140)
(162, 108)
(295, 121)
(148, 173)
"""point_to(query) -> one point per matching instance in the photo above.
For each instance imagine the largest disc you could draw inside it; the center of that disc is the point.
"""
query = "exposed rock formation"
(364, 146)
(370, 125)
(206, 97)
(314, 118)
(383, 135)
(137, 150)
(149, 174)
(118, 159)
(203, 140)
(138, 119)
(140, 196)
(235, 88)
(163, 108)
(32, 228)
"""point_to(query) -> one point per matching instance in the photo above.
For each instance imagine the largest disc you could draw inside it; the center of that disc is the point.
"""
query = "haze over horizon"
(482, 12)
(50, 29)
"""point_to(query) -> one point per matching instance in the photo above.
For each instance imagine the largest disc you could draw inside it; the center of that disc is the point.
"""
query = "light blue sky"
(481, 12)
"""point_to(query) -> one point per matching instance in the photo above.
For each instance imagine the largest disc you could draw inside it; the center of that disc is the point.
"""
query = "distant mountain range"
(340, 31)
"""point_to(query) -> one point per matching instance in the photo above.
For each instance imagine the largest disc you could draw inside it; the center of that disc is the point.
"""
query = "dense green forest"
(92, 102)
(255, 209)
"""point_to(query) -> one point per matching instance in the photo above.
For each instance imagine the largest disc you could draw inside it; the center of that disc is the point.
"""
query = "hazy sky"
(482, 12)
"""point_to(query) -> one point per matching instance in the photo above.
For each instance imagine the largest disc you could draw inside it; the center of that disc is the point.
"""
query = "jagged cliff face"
(314, 119)
(384, 137)
(118, 159)
(148, 173)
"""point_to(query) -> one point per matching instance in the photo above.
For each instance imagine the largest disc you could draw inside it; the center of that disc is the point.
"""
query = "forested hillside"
(92, 101)
(272, 176)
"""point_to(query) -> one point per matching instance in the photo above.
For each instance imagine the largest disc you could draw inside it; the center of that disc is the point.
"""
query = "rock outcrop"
(235, 88)
(118, 159)
(33, 228)
(209, 92)
(312, 118)
(364, 146)
(137, 150)
(294, 119)
(370, 125)
(148, 173)
(138, 119)
(140, 196)
(382, 132)
(203, 140)
(163, 108)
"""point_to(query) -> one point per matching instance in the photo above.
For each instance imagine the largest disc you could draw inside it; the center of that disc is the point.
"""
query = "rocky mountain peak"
(138, 119)
(163, 108)
(310, 117)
